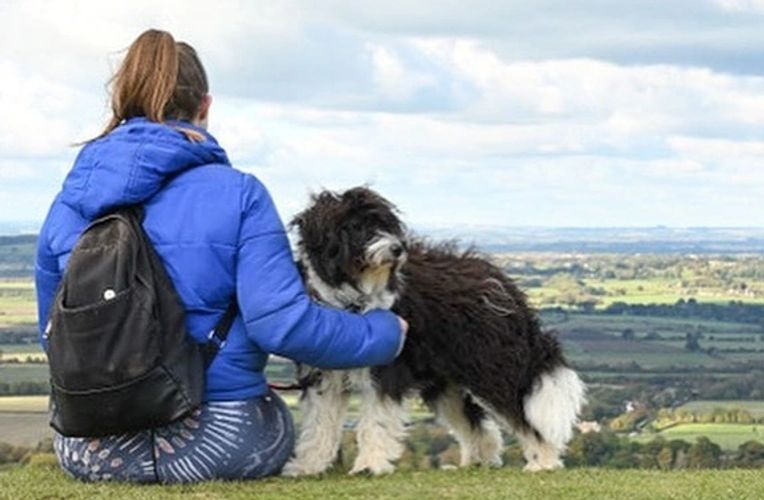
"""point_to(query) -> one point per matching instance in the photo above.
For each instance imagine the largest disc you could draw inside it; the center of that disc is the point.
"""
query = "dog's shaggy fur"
(475, 351)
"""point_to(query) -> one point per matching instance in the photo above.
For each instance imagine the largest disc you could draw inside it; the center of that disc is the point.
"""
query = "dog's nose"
(396, 250)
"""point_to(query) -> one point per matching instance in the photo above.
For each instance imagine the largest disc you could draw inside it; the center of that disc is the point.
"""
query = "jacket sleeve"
(279, 315)
(47, 278)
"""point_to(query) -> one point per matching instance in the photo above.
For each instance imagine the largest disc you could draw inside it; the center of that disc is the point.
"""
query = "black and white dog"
(475, 351)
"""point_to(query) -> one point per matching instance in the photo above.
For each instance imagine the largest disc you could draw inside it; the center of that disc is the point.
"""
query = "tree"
(704, 454)
(750, 454)
(627, 334)
(665, 458)
(691, 342)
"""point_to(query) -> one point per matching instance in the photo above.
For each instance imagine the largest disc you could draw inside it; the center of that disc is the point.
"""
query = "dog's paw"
(533, 467)
(538, 467)
(375, 468)
(294, 468)
(492, 462)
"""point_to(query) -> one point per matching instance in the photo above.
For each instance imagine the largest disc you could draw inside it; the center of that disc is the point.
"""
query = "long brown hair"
(159, 79)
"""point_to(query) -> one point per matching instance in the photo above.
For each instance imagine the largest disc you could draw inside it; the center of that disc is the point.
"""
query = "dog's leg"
(479, 437)
(323, 407)
(539, 454)
(551, 409)
(550, 412)
(381, 429)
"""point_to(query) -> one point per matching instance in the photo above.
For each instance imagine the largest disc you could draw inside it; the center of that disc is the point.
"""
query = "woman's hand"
(404, 326)
(404, 330)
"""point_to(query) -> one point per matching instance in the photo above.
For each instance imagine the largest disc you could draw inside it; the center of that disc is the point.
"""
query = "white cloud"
(392, 78)
(741, 5)
(480, 115)
(42, 115)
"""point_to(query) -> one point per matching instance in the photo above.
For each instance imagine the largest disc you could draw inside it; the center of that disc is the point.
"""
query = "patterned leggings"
(222, 440)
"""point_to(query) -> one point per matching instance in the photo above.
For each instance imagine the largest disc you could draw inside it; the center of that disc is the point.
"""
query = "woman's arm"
(279, 315)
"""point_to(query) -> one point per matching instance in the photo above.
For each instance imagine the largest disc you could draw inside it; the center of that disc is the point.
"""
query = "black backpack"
(120, 358)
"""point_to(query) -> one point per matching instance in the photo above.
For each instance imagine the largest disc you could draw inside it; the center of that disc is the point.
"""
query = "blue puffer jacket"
(219, 236)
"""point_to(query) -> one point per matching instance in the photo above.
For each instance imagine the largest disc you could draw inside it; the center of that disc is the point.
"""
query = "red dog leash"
(291, 387)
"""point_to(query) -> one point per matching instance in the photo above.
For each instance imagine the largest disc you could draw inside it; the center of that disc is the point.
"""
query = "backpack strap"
(216, 339)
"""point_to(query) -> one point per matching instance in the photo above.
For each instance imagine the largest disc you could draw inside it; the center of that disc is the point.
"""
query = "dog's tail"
(553, 406)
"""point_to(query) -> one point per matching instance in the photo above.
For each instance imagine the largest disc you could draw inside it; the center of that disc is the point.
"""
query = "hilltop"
(45, 481)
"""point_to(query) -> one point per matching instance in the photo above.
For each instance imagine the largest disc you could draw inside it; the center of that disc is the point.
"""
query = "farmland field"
(553, 279)
(24, 419)
(21, 348)
(657, 343)
(674, 354)
(24, 404)
(755, 408)
(21, 352)
(17, 302)
(728, 436)
(34, 372)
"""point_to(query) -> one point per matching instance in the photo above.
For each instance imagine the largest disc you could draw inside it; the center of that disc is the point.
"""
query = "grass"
(45, 481)
(728, 436)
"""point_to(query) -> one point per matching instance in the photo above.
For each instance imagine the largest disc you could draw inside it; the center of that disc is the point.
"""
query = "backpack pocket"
(103, 344)
(149, 401)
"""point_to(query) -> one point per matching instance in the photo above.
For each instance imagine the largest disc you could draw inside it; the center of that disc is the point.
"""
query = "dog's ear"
(298, 221)
(316, 202)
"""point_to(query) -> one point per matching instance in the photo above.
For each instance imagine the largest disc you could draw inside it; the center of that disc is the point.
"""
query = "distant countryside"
(670, 342)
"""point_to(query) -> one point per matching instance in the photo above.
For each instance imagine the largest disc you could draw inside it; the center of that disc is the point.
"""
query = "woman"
(219, 236)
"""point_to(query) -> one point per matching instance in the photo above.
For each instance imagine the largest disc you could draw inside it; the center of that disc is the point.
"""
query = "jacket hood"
(132, 163)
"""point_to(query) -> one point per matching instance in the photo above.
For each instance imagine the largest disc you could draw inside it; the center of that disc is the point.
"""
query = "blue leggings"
(221, 440)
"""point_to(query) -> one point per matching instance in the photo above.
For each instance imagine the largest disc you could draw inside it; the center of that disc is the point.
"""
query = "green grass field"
(728, 436)
(17, 302)
(20, 352)
(45, 481)
(23, 356)
(755, 408)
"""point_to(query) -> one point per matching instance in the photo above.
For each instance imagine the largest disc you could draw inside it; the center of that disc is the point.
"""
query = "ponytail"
(159, 79)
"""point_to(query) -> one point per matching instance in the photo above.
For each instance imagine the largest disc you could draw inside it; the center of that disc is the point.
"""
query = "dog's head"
(354, 243)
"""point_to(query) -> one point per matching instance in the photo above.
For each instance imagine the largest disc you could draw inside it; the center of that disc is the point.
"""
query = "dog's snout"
(397, 250)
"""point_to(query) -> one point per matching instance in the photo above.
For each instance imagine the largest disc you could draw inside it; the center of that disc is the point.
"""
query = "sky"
(482, 113)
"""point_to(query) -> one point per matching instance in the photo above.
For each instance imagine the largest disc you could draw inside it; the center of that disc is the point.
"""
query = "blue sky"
(544, 113)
